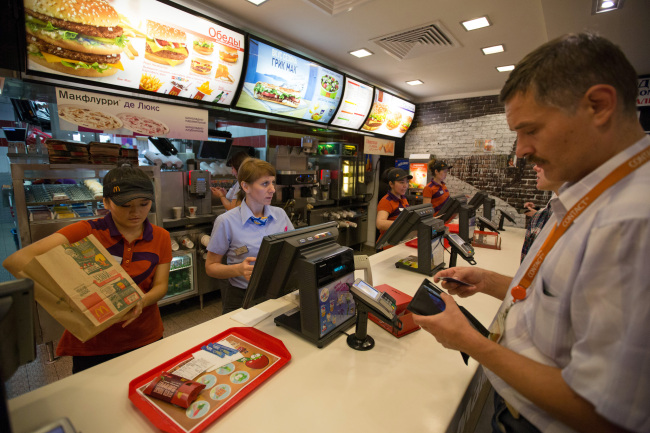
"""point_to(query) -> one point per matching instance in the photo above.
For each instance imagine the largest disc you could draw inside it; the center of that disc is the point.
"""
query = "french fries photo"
(150, 83)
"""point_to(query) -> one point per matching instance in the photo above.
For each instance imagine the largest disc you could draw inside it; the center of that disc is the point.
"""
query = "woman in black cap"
(390, 206)
(144, 251)
(436, 191)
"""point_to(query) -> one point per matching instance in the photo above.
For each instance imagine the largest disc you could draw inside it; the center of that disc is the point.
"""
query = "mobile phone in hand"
(454, 280)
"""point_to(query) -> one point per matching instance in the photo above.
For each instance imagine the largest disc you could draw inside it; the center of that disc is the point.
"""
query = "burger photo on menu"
(201, 66)
(203, 47)
(228, 54)
(165, 45)
(77, 37)
(377, 116)
(405, 125)
(279, 95)
(394, 119)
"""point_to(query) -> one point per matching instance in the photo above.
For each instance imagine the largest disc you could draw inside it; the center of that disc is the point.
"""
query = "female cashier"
(436, 191)
(229, 199)
(237, 234)
(390, 206)
(144, 251)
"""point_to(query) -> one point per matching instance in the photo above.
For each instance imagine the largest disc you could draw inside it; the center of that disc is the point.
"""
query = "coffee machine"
(185, 189)
(324, 181)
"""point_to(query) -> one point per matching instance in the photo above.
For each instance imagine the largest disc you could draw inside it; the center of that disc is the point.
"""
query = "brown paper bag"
(82, 287)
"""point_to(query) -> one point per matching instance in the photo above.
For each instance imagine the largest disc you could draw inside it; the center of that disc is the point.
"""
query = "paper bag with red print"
(83, 287)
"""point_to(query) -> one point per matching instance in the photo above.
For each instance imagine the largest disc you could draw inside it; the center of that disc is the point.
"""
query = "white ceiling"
(520, 25)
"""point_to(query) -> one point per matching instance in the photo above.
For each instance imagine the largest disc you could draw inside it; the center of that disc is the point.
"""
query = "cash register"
(311, 261)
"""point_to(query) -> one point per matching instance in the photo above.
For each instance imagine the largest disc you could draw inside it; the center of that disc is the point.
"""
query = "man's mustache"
(535, 160)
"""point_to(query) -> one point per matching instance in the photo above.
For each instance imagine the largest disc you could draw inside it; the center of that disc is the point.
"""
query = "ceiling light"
(476, 23)
(414, 82)
(505, 68)
(257, 2)
(361, 53)
(600, 6)
(493, 50)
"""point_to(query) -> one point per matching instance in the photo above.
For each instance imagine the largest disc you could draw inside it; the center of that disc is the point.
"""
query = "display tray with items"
(190, 391)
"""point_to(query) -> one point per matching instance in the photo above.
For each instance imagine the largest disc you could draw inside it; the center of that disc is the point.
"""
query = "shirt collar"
(433, 182)
(571, 193)
(393, 197)
(147, 231)
(245, 212)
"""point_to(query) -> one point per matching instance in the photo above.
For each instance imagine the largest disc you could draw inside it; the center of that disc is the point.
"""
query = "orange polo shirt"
(139, 259)
(438, 193)
(393, 205)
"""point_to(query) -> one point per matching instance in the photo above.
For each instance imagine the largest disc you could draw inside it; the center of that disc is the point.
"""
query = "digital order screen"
(282, 83)
(356, 102)
(139, 44)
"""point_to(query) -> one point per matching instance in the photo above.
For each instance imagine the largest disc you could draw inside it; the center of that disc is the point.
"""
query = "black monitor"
(449, 210)
(309, 260)
(215, 148)
(405, 224)
(415, 219)
(17, 344)
(477, 200)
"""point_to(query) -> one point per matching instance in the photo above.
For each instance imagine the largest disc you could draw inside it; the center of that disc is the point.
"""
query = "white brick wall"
(456, 140)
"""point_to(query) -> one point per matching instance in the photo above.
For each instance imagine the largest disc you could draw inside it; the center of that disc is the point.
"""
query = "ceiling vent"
(417, 41)
(334, 7)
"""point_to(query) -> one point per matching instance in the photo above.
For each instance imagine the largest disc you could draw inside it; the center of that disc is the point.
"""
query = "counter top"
(406, 384)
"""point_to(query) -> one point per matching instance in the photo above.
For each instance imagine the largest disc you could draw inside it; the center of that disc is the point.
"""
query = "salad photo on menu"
(279, 82)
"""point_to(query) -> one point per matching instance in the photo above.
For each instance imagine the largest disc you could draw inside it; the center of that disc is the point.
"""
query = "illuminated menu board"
(135, 44)
(281, 83)
(389, 115)
(357, 99)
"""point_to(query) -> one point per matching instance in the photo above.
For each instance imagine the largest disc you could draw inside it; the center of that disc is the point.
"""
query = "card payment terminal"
(381, 301)
(370, 300)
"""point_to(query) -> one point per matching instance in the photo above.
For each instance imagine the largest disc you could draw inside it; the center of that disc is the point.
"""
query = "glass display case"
(48, 197)
(182, 280)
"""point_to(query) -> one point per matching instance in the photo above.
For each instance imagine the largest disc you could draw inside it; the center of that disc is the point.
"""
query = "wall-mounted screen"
(135, 44)
(281, 83)
(356, 102)
(389, 115)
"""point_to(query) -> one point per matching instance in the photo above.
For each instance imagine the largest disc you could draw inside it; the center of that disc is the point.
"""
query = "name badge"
(241, 250)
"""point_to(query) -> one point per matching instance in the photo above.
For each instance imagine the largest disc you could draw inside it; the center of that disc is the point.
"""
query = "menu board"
(357, 99)
(93, 112)
(135, 44)
(279, 82)
(389, 115)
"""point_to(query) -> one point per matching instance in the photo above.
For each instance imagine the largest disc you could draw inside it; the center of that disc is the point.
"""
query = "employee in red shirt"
(390, 206)
(436, 191)
(144, 251)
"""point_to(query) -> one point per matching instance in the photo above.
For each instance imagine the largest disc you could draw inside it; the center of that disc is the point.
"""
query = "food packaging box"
(402, 300)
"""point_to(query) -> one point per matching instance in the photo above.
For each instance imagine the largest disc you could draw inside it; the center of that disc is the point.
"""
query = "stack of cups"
(175, 245)
(187, 243)
(205, 240)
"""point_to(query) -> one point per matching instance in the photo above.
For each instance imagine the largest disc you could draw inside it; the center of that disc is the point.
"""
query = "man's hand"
(450, 328)
(472, 276)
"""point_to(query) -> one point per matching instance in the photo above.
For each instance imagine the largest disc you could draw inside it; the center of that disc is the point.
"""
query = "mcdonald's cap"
(124, 190)
(394, 174)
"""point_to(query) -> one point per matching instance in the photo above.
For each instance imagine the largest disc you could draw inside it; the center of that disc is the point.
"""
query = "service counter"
(406, 384)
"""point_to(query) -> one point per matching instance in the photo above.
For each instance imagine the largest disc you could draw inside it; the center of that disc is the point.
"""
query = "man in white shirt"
(572, 352)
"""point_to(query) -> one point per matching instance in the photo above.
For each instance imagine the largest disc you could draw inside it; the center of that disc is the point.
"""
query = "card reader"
(382, 301)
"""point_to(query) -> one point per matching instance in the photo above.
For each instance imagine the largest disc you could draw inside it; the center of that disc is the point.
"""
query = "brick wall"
(450, 129)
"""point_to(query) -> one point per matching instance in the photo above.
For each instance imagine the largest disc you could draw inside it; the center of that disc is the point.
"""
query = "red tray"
(174, 419)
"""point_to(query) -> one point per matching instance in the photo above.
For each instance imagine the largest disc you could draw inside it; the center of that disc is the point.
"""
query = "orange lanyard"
(519, 291)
